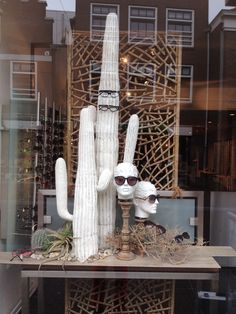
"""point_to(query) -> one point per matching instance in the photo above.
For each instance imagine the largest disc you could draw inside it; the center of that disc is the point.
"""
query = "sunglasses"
(151, 198)
(120, 180)
(179, 238)
(105, 93)
(108, 107)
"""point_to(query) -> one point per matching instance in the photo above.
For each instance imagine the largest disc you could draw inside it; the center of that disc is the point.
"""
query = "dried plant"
(150, 241)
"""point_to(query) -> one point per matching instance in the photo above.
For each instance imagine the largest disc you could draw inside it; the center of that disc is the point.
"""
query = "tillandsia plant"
(61, 241)
(49, 241)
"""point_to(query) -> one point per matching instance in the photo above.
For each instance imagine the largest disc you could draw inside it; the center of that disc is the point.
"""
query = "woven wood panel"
(119, 296)
(149, 81)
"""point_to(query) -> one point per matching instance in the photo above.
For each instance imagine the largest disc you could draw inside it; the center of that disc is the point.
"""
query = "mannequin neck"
(139, 213)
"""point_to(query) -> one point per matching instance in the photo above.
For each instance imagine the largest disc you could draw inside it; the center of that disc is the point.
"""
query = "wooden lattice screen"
(119, 296)
(150, 84)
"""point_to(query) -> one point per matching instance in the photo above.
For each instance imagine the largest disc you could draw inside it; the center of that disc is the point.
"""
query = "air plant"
(61, 241)
(50, 241)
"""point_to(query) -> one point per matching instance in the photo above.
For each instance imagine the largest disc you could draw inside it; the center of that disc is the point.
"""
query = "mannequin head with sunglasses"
(145, 199)
(125, 180)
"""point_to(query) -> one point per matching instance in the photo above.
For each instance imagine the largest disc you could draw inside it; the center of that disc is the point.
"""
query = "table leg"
(25, 295)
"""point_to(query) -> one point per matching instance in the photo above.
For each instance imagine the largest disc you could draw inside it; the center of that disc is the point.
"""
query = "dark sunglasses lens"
(132, 180)
(186, 235)
(179, 238)
(119, 180)
(152, 198)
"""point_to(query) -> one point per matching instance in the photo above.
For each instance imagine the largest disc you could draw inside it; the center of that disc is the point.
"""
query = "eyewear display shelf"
(201, 265)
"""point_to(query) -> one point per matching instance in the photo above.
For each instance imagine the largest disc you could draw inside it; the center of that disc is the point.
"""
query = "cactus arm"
(61, 190)
(131, 138)
(104, 180)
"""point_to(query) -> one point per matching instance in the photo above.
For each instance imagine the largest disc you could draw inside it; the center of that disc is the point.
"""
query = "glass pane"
(150, 13)
(171, 14)
(179, 15)
(187, 15)
(186, 71)
(134, 12)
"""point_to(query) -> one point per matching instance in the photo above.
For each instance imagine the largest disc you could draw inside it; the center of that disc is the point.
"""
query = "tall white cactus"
(107, 129)
(85, 237)
(95, 202)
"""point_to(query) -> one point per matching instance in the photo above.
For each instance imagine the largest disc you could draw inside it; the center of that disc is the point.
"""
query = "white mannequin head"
(125, 180)
(145, 199)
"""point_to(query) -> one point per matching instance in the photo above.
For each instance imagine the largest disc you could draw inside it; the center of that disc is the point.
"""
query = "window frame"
(192, 21)
(34, 73)
(190, 99)
(129, 74)
(145, 18)
(92, 38)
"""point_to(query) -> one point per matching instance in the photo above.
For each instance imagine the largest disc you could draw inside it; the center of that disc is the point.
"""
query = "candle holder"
(125, 253)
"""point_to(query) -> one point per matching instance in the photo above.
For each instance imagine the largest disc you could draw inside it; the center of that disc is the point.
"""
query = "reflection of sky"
(215, 6)
(61, 5)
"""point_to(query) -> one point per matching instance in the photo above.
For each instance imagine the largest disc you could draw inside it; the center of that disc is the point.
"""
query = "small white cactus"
(85, 237)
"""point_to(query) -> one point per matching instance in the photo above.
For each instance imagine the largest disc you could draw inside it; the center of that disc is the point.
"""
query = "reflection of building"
(26, 70)
(222, 97)
(184, 25)
(29, 59)
(32, 47)
(141, 20)
(207, 85)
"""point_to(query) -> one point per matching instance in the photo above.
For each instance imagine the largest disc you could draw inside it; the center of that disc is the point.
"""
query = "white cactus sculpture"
(107, 129)
(131, 139)
(85, 225)
(95, 200)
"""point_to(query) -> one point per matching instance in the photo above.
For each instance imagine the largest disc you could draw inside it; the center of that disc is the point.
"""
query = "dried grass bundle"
(150, 241)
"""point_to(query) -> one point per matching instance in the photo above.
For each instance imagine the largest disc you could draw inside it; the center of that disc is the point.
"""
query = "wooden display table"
(200, 266)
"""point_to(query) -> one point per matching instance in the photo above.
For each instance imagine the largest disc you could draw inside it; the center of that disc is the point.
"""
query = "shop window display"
(91, 145)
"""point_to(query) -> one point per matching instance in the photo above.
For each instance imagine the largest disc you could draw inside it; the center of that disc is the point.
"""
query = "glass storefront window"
(176, 72)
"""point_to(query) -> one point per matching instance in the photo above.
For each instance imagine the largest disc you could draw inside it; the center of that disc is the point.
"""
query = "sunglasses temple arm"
(104, 180)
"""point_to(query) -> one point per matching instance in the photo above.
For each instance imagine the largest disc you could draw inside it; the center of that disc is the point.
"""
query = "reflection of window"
(179, 27)
(142, 24)
(98, 19)
(141, 80)
(23, 80)
(186, 82)
(95, 72)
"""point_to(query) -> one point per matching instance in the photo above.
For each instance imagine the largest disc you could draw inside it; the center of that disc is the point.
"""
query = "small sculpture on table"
(146, 200)
(125, 180)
